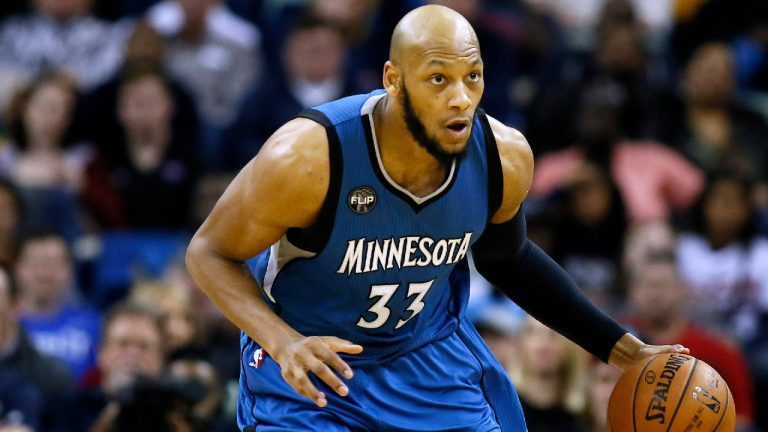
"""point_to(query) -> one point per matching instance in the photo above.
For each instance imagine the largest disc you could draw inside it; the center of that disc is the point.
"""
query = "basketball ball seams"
(634, 393)
(682, 395)
(725, 410)
(668, 396)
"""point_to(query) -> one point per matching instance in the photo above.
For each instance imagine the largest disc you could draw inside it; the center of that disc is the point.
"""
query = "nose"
(460, 99)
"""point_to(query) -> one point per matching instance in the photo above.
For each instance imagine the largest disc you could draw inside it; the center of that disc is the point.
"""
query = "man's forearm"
(237, 296)
(528, 276)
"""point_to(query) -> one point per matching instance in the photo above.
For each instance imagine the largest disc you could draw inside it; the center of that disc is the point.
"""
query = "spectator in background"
(98, 116)
(132, 348)
(10, 220)
(50, 377)
(549, 374)
(602, 380)
(172, 301)
(621, 64)
(654, 181)
(643, 239)
(698, 22)
(313, 73)
(56, 322)
(580, 19)
(215, 54)
(40, 125)
(498, 326)
(588, 226)
(721, 259)
(750, 51)
(366, 27)
(60, 34)
(147, 180)
(20, 403)
(43, 158)
(192, 367)
(706, 123)
(659, 302)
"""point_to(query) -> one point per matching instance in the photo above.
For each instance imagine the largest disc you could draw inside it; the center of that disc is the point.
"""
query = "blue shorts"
(454, 384)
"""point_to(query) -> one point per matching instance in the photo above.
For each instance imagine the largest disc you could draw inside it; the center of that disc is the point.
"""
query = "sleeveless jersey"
(381, 267)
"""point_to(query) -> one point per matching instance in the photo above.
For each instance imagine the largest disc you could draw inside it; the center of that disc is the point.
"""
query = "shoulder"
(301, 145)
(516, 165)
(289, 177)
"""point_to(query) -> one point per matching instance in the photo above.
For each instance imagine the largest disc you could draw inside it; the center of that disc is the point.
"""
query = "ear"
(391, 78)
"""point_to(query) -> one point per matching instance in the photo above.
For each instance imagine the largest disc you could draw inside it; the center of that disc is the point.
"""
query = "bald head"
(429, 26)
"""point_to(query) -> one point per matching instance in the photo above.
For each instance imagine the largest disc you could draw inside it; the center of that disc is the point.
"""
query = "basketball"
(671, 392)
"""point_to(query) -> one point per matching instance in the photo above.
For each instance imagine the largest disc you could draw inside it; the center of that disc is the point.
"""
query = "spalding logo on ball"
(671, 393)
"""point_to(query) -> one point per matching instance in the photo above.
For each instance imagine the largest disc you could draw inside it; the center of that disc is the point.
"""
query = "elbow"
(192, 257)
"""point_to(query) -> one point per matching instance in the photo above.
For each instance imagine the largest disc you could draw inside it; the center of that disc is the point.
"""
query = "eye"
(437, 79)
(474, 76)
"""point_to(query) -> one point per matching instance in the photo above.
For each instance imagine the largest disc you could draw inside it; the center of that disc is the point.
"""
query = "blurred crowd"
(122, 121)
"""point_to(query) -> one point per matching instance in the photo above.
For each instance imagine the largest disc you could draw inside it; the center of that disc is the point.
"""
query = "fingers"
(299, 380)
(663, 349)
(316, 355)
(322, 371)
(339, 365)
(341, 345)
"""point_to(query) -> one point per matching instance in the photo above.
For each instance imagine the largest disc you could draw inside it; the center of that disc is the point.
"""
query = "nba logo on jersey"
(258, 357)
(362, 200)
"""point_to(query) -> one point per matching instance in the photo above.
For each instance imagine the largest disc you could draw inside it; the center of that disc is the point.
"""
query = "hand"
(315, 353)
(629, 350)
(650, 350)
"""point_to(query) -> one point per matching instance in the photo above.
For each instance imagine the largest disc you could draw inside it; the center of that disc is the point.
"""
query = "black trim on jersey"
(315, 115)
(495, 177)
(314, 237)
(397, 192)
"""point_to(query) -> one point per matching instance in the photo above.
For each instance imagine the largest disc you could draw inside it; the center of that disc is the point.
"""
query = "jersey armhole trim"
(495, 176)
(314, 237)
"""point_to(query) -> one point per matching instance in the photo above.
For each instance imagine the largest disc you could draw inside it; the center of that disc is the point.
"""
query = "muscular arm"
(505, 257)
(283, 187)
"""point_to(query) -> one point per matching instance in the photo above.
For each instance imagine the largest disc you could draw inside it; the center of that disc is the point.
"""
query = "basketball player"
(369, 206)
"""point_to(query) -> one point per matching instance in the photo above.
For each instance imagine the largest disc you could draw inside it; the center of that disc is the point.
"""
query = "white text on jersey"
(363, 255)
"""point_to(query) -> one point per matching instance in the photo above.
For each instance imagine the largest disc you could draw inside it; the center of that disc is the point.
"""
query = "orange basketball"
(671, 393)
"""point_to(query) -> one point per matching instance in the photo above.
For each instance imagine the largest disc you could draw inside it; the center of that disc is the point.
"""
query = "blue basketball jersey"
(381, 267)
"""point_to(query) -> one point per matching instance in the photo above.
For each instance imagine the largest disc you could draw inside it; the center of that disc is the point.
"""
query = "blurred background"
(122, 121)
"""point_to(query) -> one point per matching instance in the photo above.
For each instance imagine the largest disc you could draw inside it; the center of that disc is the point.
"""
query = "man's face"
(43, 269)
(442, 84)
(315, 54)
(132, 346)
(656, 292)
(145, 105)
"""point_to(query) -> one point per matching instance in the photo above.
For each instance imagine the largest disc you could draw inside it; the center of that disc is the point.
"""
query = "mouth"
(458, 127)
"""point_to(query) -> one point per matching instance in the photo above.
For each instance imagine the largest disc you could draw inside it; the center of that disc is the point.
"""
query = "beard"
(419, 132)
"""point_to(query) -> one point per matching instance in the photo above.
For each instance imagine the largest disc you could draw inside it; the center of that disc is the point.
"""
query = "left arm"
(506, 258)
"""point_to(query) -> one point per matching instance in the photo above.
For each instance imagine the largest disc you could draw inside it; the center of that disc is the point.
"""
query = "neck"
(39, 306)
(148, 136)
(406, 161)
(542, 390)
(42, 144)
(704, 107)
(193, 32)
(718, 240)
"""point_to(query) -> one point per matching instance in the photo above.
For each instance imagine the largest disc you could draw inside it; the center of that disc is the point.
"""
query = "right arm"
(284, 186)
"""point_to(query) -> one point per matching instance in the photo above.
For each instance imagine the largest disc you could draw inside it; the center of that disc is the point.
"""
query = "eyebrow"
(444, 64)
